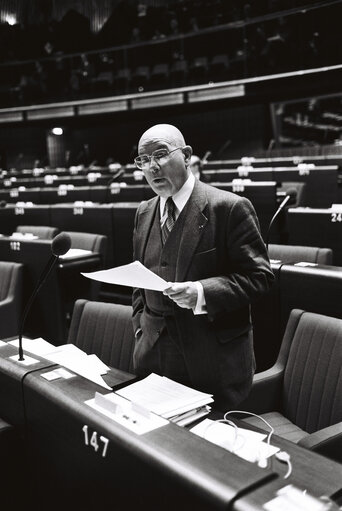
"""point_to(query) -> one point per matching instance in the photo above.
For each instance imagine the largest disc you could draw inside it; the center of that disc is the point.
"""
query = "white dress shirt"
(180, 199)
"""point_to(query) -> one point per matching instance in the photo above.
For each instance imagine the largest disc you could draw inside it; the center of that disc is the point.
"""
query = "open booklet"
(134, 275)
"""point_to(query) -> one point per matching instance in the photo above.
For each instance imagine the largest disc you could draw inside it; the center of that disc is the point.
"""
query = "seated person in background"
(196, 166)
(206, 244)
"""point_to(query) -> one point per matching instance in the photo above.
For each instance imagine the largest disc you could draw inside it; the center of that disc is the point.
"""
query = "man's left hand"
(184, 294)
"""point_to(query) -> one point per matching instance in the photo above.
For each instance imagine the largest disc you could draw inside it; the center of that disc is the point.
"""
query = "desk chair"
(42, 231)
(296, 254)
(104, 329)
(89, 241)
(78, 286)
(11, 290)
(300, 396)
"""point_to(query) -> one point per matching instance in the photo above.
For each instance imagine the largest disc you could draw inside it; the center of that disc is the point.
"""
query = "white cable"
(258, 417)
(282, 456)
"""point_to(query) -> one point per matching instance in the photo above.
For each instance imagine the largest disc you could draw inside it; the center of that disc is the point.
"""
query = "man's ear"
(187, 151)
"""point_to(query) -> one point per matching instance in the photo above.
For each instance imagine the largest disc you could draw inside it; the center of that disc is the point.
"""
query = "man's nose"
(154, 167)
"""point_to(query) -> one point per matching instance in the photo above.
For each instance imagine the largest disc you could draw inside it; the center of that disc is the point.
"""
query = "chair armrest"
(327, 441)
(265, 394)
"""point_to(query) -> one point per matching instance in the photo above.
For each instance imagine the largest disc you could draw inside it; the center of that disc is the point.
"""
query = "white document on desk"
(134, 275)
(245, 443)
(74, 253)
(163, 396)
(88, 366)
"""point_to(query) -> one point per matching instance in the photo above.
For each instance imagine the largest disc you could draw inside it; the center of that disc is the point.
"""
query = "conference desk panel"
(226, 175)
(12, 374)
(48, 315)
(317, 228)
(13, 215)
(315, 288)
(168, 468)
(321, 183)
(263, 196)
(55, 195)
(123, 225)
(280, 161)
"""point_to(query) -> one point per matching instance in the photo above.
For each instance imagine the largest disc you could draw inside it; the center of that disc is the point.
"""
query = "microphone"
(290, 195)
(115, 177)
(59, 246)
(206, 156)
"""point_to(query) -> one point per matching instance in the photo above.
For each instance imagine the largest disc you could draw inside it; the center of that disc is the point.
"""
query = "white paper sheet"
(73, 358)
(36, 346)
(247, 444)
(133, 275)
(73, 253)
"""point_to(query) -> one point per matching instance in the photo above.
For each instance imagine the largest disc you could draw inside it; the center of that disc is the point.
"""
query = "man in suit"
(206, 244)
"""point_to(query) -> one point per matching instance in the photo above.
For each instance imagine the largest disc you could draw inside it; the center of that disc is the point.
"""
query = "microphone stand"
(53, 261)
(276, 214)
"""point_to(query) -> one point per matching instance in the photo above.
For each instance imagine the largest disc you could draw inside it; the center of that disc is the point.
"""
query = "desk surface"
(167, 468)
(188, 465)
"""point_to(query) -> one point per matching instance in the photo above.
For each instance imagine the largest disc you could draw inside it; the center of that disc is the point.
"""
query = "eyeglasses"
(161, 156)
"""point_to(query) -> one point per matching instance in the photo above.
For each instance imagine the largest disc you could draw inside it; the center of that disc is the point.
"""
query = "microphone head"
(292, 193)
(61, 244)
(3, 203)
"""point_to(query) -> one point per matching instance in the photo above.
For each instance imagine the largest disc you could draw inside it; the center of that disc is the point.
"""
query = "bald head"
(165, 174)
(162, 133)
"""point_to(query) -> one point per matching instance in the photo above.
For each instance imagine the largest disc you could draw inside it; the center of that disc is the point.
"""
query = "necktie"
(170, 219)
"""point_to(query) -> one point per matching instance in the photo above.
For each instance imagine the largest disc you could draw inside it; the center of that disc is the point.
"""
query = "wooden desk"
(168, 468)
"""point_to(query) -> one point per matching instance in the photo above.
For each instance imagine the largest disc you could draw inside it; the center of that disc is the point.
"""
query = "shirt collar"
(181, 197)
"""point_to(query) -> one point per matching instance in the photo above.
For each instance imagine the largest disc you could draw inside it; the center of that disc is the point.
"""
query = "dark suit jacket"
(221, 247)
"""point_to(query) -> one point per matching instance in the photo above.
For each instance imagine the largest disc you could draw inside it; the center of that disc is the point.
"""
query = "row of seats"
(182, 71)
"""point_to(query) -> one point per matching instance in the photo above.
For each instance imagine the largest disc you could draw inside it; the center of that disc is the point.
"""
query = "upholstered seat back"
(296, 254)
(10, 274)
(313, 375)
(44, 232)
(88, 241)
(104, 329)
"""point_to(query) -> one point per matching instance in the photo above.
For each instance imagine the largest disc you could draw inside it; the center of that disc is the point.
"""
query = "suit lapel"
(145, 224)
(194, 226)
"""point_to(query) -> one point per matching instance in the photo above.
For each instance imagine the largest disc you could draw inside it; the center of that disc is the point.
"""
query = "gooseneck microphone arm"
(276, 214)
(59, 246)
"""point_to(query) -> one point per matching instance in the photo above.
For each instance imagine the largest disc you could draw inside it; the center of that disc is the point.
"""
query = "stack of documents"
(169, 399)
(69, 356)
